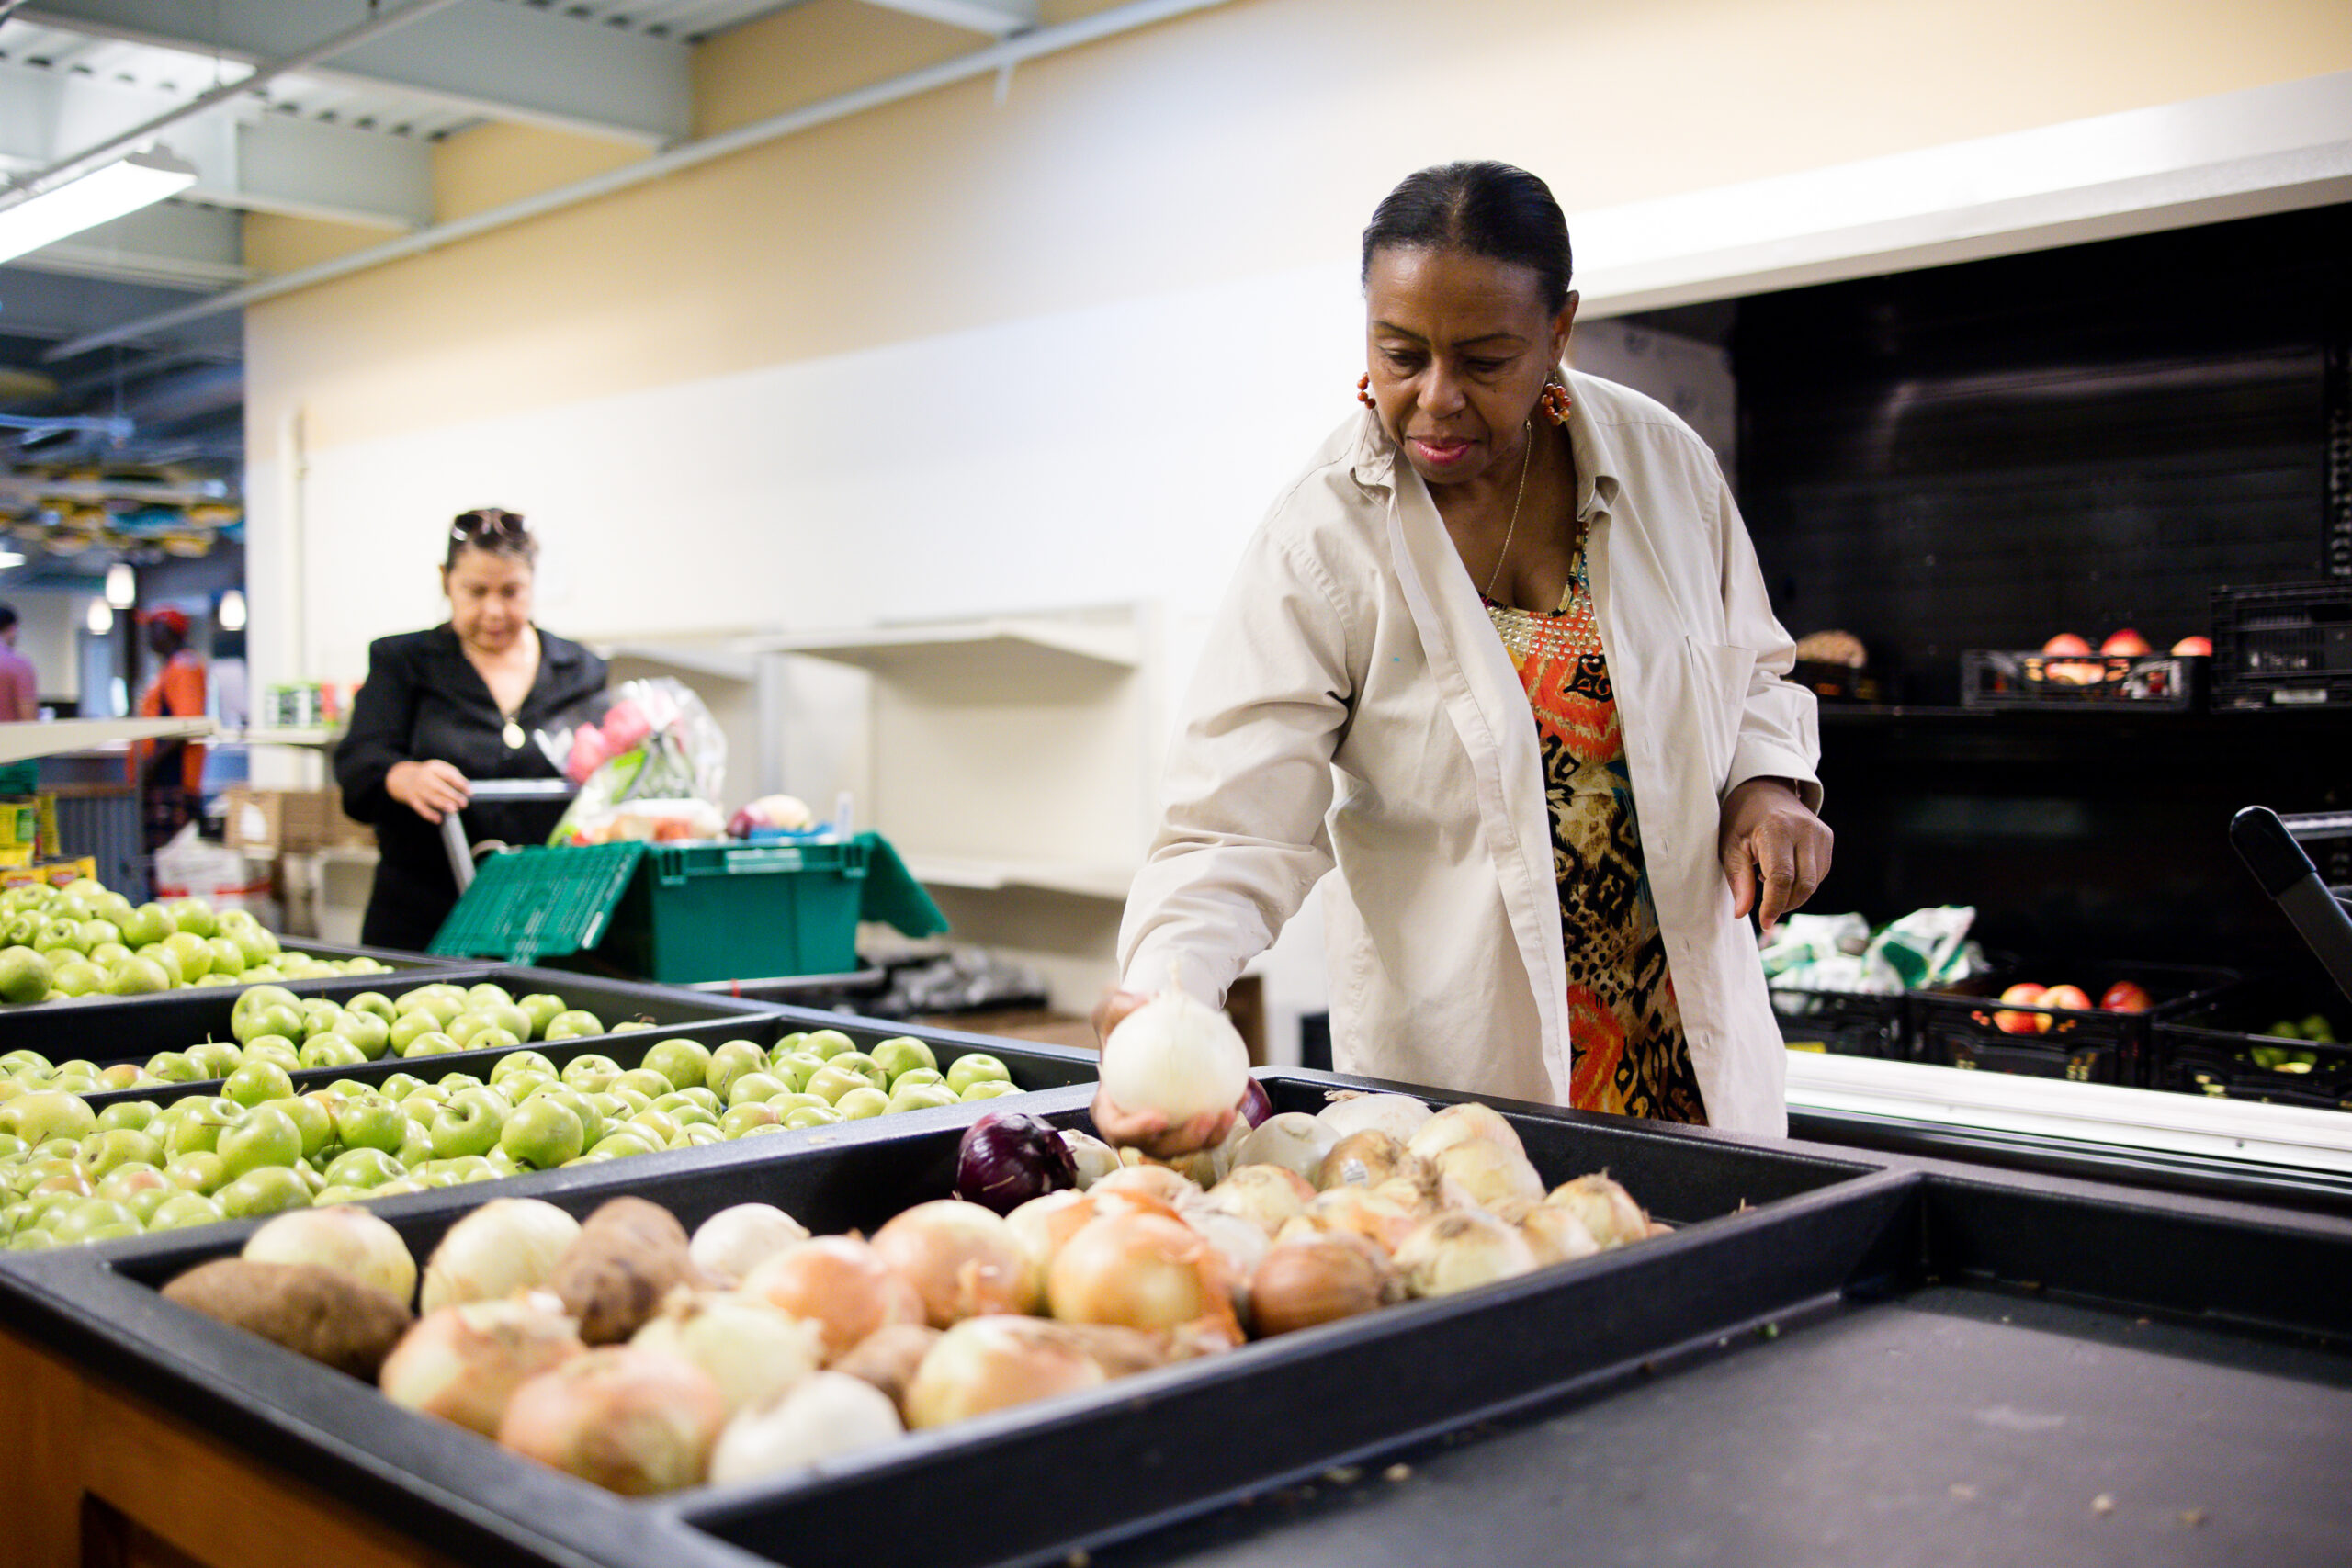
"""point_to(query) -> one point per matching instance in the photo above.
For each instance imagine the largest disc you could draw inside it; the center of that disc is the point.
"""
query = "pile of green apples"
(85, 940)
(71, 1174)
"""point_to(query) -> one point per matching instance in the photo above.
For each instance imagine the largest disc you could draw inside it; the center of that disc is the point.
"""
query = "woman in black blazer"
(452, 705)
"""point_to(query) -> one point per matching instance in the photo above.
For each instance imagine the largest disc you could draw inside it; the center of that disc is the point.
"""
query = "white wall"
(48, 633)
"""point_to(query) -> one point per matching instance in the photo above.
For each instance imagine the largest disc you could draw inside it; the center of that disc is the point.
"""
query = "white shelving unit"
(23, 742)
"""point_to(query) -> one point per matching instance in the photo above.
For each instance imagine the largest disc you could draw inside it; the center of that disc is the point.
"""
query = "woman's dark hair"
(492, 529)
(1488, 210)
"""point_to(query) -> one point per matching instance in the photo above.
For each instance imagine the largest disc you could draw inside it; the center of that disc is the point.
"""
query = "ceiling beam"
(997, 19)
(245, 156)
(172, 245)
(504, 62)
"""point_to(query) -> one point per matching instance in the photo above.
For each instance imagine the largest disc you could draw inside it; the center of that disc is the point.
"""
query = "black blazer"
(422, 700)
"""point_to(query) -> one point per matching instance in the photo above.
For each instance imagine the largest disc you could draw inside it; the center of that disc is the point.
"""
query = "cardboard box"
(288, 821)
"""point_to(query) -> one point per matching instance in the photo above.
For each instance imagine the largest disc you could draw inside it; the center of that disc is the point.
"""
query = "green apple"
(698, 1136)
(623, 1142)
(194, 1126)
(490, 1037)
(573, 1023)
(175, 1066)
(186, 1209)
(132, 1178)
(730, 1061)
(919, 1095)
(194, 954)
(137, 1114)
(682, 1062)
(753, 1087)
(632, 1025)
(796, 1067)
(810, 1116)
(314, 1121)
(902, 1053)
(138, 977)
(255, 998)
(453, 1081)
(266, 1189)
(687, 1114)
(914, 1075)
(514, 1062)
(106, 954)
(864, 1065)
(464, 1026)
(469, 1123)
(143, 1201)
(26, 1060)
(47, 1114)
(632, 1100)
(258, 1081)
(654, 1125)
(331, 1051)
(416, 1145)
(33, 1238)
(645, 1081)
(988, 1089)
(57, 935)
(149, 922)
(741, 1119)
(194, 917)
(108, 1148)
(320, 1016)
(486, 993)
(281, 1018)
(432, 1043)
(260, 946)
(263, 1135)
(80, 1222)
(409, 1026)
(592, 1118)
(862, 1102)
(541, 1008)
(827, 1042)
(377, 1003)
(434, 1004)
(370, 1122)
(120, 1076)
(399, 1086)
(520, 1087)
(12, 1148)
(364, 1168)
(215, 1058)
(702, 1096)
(24, 975)
(510, 1018)
(541, 1134)
(589, 1073)
(976, 1066)
(77, 977)
(92, 934)
(830, 1083)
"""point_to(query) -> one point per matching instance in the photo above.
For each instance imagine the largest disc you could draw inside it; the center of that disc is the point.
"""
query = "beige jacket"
(1354, 708)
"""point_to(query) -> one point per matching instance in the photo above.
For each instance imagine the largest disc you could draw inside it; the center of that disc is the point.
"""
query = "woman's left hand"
(1770, 840)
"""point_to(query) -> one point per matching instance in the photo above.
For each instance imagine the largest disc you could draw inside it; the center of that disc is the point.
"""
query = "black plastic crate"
(2289, 646)
(2152, 682)
(1844, 1023)
(2228, 1050)
(1955, 1027)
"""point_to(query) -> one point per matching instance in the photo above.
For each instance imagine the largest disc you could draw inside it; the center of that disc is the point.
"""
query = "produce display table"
(1838, 1357)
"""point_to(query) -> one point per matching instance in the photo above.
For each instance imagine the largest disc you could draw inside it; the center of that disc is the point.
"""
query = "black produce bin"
(1844, 1023)
(1026, 1483)
(1955, 1027)
(2211, 1050)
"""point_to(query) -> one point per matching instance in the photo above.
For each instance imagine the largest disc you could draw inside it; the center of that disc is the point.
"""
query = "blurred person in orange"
(170, 773)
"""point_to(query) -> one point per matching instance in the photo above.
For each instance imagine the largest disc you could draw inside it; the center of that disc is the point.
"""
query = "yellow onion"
(1266, 1195)
(1040, 1225)
(1319, 1279)
(1398, 1115)
(1139, 1271)
(1159, 1182)
(1377, 1216)
(887, 1357)
(1496, 1178)
(962, 1259)
(753, 1352)
(633, 1421)
(464, 1362)
(1462, 1250)
(988, 1363)
(1606, 1210)
(1364, 1159)
(1464, 1122)
(840, 1283)
(1557, 1235)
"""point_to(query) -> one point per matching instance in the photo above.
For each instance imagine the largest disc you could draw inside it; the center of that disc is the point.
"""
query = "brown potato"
(310, 1309)
(887, 1357)
(629, 1256)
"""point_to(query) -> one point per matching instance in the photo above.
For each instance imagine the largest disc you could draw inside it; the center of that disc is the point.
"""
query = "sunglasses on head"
(488, 522)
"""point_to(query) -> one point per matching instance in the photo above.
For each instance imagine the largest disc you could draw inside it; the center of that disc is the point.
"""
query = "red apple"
(2125, 996)
(2125, 644)
(2073, 997)
(2065, 642)
(2193, 648)
(2023, 995)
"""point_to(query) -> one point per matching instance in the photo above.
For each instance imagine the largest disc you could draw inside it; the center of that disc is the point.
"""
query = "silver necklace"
(1527, 450)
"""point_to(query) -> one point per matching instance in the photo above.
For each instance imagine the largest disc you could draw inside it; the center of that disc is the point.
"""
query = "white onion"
(1267, 1195)
(1157, 1182)
(1365, 1158)
(751, 1350)
(343, 1237)
(1177, 1056)
(840, 1283)
(730, 1243)
(1239, 1244)
(1378, 1217)
(1094, 1158)
(1466, 1122)
(1461, 1250)
(508, 1244)
(1606, 1210)
(826, 1413)
(962, 1259)
(464, 1362)
(1040, 1225)
(1291, 1139)
(1557, 1235)
(1398, 1115)
(1497, 1179)
(633, 1421)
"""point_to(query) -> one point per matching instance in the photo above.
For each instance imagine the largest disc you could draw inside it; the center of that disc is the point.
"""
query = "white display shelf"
(2288, 1135)
(723, 663)
(1009, 640)
(1104, 882)
(22, 742)
(310, 736)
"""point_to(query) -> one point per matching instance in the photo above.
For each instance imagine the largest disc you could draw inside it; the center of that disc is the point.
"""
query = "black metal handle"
(2269, 849)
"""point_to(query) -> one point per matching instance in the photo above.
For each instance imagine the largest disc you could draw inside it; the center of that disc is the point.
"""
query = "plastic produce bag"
(1840, 952)
(650, 761)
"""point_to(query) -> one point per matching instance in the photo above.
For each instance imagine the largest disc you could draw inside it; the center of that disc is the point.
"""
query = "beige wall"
(1237, 142)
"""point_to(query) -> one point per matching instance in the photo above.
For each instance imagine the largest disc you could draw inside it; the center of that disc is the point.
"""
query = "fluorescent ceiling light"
(101, 618)
(122, 585)
(126, 186)
(231, 614)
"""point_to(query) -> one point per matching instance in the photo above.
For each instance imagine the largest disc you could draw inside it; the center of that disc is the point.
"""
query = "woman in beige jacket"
(1502, 657)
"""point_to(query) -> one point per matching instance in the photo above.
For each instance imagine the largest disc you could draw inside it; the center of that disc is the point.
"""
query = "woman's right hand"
(431, 788)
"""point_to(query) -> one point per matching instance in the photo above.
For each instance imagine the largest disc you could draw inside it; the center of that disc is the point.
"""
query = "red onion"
(1008, 1157)
(1256, 1104)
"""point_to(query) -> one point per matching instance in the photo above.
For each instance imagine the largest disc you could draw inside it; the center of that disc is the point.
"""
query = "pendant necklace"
(513, 733)
(1527, 450)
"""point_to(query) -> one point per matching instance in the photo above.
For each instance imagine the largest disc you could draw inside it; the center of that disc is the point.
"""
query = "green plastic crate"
(740, 911)
(531, 904)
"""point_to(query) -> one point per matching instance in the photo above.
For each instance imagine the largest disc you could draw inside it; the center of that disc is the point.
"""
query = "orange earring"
(1364, 390)
(1554, 401)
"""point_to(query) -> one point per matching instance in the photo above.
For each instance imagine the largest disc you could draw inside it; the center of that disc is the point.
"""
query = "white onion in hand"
(1177, 1056)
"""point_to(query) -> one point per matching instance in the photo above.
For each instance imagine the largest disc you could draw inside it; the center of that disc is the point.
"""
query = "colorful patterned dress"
(1623, 1026)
